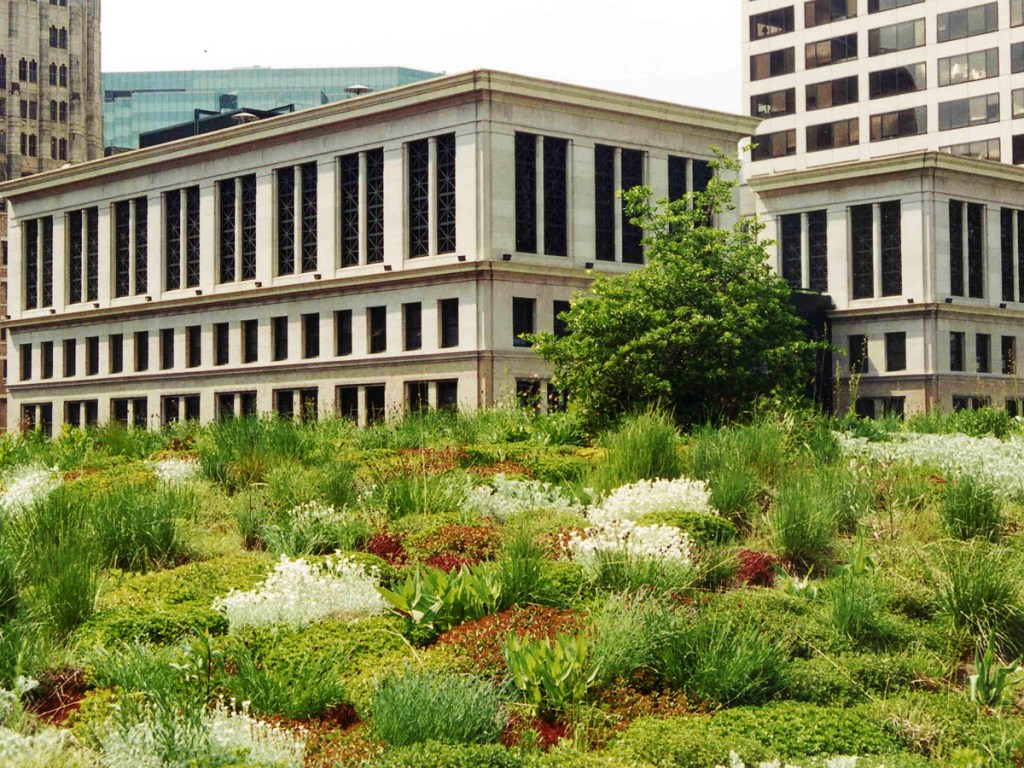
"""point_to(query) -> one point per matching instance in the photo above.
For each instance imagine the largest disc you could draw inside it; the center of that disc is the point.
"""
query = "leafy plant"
(440, 601)
(413, 707)
(550, 674)
(991, 683)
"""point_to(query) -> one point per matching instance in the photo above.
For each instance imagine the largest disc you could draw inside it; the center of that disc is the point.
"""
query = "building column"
(689, 184)
(618, 205)
(540, 193)
(1014, 250)
(570, 198)
(805, 251)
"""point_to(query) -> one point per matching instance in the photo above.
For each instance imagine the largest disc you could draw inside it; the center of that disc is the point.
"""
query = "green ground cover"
(504, 589)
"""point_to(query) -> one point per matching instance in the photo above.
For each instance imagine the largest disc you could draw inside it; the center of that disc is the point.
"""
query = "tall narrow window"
(30, 250)
(221, 343)
(448, 310)
(896, 351)
(193, 346)
(790, 244)
(285, 221)
(956, 247)
(976, 250)
(419, 198)
(632, 235)
(311, 335)
(892, 248)
(983, 353)
(446, 221)
(141, 205)
(556, 197)
(343, 332)
(526, 192)
(166, 348)
(863, 251)
(92, 355)
(375, 206)
(70, 358)
(122, 248)
(957, 342)
(309, 217)
(141, 347)
(248, 224)
(46, 352)
(349, 172)
(377, 329)
(226, 198)
(279, 340)
(1006, 259)
(604, 201)
(172, 240)
(412, 320)
(192, 237)
(1008, 347)
(115, 352)
(250, 341)
(817, 240)
(524, 320)
(26, 362)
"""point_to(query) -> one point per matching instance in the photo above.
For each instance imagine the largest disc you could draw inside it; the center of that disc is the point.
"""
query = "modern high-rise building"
(51, 102)
(844, 80)
(139, 102)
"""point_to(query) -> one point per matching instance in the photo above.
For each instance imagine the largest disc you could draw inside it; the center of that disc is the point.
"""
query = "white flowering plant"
(298, 593)
(175, 471)
(842, 761)
(314, 528)
(506, 498)
(24, 486)
(631, 502)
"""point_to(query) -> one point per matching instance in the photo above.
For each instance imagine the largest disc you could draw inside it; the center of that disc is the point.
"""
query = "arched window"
(53, 148)
(53, 37)
(63, 37)
(3, 142)
(24, 143)
(53, 111)
(33, 71)
(33, 146)
(3, 71)
(63, 111)
(53, 74)
(63, 75)
(23, 69)
(62, 151)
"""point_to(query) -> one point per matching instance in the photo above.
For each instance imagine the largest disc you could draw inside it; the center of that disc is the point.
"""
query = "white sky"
(679, 51)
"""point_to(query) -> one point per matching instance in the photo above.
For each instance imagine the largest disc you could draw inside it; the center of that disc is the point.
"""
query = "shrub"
(299, 690)
(969, 509)
(645, 447)
(434, 755)
(136, 528)
(725, 658)
(850, 678)
(756, 569)
(415, 707)
(802, 520)
(703, 528)
(623, 555)
(472, 542)
(688, 742)
(551, 674)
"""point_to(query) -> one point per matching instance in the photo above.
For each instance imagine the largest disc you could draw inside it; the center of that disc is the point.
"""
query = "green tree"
(705, 328)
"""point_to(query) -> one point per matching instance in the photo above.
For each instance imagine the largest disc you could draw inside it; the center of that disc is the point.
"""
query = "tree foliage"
(705, 328)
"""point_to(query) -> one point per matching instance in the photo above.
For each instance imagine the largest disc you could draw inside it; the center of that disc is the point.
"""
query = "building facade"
(51, 104)
(139, 102)
(361, 258)
(840, 81)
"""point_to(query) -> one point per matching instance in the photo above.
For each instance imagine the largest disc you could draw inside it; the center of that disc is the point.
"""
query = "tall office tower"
(846, 80)
(51, 101)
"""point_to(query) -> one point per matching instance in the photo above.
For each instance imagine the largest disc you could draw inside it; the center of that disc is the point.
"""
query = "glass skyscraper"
(137, 102)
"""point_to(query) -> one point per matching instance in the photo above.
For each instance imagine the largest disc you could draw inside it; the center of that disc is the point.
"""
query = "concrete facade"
(458, 165)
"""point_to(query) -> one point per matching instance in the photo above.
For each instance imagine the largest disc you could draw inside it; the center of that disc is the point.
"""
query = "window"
(166, 348)
(961, 113)
(448, 312)
(831, 51)
(348, 403)
(842, 133)
(343, 332)
(63, 75)
(53, 74)
(983, 353)
(791, 235)
(773, 64)
(130, 411)
(896, 37)
(296, 219)
(46, 353)
(1016, 14)
(130, 247)
(898, 80)
(250, 341)
(417, 396)
(179, 408)
(92, 355)
(631, 173)
(896, 351)
(984, 149)
(892, 248)
(375, 403)
(115, 352)
(976, 250)
(834, 93)
(524, 314)
(1008, 348)
(896, 125)
(193, 346)
(37, 247)
(771, 23)
(70, 348)
(279, 337)
(554, 168)
(181, 238)
(560, 329)
(236, 225)
(826, 11)
(967, 22)
(1006, 255)
(791, 249)
(978, 65)
(858, 344)
(877, 6)
(33, 71)
(83, 255)
(448, 395)
(377, 329)
(957, 344)
(778, 144)
(26, 361)
(311, 335)
(862, 244)
(303, 403)
(412, 323)
(774, 104)
(419, 198)
(351, 169)
(221, 343)
(225, 406)
(141, 351)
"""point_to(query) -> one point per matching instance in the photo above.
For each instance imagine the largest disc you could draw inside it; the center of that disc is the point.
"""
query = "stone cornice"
(933, 310)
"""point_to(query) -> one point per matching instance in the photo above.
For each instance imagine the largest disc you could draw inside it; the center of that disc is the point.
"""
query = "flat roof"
(374, 105)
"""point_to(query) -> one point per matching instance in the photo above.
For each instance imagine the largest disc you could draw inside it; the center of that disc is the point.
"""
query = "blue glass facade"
(137, 102)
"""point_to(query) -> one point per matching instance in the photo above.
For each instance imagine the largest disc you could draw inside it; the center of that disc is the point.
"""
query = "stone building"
(51, 100)
(364, 257)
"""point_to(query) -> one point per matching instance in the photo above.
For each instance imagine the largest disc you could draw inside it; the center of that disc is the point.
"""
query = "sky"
(673, 50)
